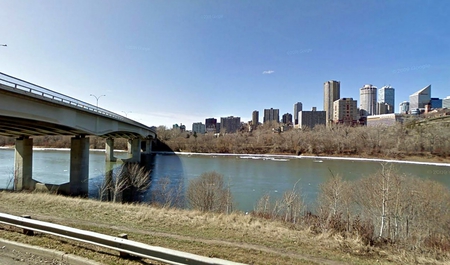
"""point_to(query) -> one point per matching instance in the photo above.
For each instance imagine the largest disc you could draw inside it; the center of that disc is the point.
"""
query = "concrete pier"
(109, 150)
(148, 146)
(23, 164)
(79, 166)
(135, 150)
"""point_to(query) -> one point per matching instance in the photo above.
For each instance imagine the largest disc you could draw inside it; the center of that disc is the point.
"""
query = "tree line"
(396, 141)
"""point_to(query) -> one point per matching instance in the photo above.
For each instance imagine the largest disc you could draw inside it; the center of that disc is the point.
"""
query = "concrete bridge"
(28, 110)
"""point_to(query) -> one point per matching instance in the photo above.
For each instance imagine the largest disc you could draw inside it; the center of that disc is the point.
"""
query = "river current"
(249, 176)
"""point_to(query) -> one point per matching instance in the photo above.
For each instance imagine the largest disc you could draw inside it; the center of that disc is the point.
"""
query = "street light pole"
(126, 113)
(97, 98)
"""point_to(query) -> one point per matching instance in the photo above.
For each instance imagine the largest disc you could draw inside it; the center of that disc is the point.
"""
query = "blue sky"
(166, 62)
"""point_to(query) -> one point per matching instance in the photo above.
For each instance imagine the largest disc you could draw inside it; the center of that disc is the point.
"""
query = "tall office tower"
(404, 107)
(255, 118)
(198, 127)
(332, 92)
(211, 125)
(421, 98)
(287, 118)
(230, 124)
(271, 115)
(345, 111)
(368, 100)
(297, 107)
(386, 94)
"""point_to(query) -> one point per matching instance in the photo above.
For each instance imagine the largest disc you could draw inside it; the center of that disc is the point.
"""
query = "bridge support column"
(79, 166)
(109, 146)
(130, 146)
(23, 164)
(148, 146)
(135, 150)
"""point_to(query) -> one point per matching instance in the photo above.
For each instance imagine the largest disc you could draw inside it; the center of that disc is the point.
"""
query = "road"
(10, 255)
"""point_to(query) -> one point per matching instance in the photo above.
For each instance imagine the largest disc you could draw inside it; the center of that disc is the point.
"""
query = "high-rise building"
(421, 98)
(404, 107)
(271, 115)
(345, 111)
(386, 95)
(255, 118)
(287, 118)
(331, 93)
(198, 127)
(230, 124)
(211, 125)
(368, 100)
(297, 107)
(309, 119)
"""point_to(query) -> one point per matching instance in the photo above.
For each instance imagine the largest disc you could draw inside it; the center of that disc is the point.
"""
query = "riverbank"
(237, 237)
(318, 158)
(419, 160)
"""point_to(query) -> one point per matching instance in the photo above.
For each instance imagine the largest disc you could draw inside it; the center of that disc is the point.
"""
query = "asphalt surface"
(12, 253)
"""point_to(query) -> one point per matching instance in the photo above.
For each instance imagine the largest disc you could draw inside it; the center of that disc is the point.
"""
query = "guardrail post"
(27, 232)
(124, 254)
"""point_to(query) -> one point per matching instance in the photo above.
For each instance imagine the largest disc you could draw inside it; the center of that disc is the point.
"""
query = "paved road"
(10, 255)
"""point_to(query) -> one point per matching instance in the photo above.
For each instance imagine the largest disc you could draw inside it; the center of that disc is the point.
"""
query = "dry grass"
(237, 237)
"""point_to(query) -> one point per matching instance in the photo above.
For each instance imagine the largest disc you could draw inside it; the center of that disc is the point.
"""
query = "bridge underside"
(19, 127)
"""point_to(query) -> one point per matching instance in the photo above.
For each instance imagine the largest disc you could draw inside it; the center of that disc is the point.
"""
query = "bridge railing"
(28, 87)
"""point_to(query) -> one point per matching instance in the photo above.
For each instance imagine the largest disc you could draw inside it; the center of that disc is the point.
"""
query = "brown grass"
(238, 237)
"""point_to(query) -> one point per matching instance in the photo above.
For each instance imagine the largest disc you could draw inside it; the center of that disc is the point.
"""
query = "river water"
(250, 177)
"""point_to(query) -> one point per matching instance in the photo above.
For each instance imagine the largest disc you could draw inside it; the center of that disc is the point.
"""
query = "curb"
(48, 253)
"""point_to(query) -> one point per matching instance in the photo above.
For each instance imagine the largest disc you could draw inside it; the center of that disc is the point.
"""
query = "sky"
(177, 62)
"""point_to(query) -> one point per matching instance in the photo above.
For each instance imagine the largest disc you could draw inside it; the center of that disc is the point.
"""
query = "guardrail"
(28, 87)
(122, 245)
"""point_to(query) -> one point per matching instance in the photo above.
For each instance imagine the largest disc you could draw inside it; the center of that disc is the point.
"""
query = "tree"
(208, 193)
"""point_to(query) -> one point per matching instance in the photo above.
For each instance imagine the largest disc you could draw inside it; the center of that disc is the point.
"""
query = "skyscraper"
(211, 125)
(271, 115)
(297, 107)
(331, 93)
(368, 100)
(287, 118)
(386, 94)
(255, 118)
(230, 124)
(421, 98)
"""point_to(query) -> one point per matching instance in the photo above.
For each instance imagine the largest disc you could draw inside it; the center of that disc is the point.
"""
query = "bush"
(208, 193)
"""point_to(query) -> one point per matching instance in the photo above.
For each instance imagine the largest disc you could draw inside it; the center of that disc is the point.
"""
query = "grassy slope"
(236, 237)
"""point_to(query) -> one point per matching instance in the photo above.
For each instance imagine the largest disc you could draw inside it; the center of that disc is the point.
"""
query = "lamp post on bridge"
(97, 98)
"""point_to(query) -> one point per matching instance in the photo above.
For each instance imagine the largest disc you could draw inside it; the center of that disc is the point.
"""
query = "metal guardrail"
(116, 243)
(28, 87)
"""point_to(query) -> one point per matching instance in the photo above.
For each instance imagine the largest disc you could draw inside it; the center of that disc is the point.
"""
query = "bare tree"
(208, 193)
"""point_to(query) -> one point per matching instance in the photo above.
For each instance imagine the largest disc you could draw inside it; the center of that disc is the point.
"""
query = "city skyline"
(181, 62)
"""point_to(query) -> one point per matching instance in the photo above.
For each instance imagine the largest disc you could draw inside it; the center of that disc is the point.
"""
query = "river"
(249, 176)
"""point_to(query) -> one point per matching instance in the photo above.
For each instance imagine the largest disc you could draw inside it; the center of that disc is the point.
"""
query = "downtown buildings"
(420, 99)
(271, 115)
(332, 92)
(368, 100)
(345, 111)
